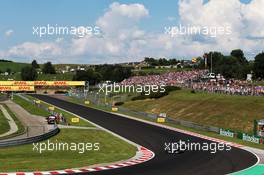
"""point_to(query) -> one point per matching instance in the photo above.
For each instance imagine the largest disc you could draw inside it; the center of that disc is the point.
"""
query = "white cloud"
(119, 29)
(59, 40)
(121, 19)
(9, 32)
(34, 50)
(123, 38)
(253, 18)
(245, 20)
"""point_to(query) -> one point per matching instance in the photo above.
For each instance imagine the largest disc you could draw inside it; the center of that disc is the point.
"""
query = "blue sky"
(22, 15)
(18, 17)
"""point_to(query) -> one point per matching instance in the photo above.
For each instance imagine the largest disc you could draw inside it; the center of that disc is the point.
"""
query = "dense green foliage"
(161, 61)
(105, 72)
(234, 65)
(88, 75)
(35, 64)
(29, 73)
(48, 68)
(259, 66)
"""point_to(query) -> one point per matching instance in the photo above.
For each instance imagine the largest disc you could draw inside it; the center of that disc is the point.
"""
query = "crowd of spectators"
(168, 79)
(193, 79)
(229, 87)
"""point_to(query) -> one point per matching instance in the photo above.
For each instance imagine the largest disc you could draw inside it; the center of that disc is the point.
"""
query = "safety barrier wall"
(15, 142)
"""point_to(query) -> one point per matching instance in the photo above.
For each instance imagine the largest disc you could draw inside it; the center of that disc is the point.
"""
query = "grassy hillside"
(234, 112)
(59, 77)
(15, 67)
(66, 76)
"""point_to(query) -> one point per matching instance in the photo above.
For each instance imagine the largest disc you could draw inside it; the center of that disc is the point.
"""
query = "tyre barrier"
(22, 141)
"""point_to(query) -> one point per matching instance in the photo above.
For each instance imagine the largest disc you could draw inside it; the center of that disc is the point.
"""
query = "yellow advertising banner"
(17, 88)
(75, 120)
(51, 108)
(42, 83)
(114, 109)
(161, 120)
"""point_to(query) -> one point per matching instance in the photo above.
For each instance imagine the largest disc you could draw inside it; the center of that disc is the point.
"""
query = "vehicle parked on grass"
(51, 119)
(209, 76)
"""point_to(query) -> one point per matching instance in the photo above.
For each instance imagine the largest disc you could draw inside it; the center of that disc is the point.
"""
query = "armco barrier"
(28, 140)
(193, 125)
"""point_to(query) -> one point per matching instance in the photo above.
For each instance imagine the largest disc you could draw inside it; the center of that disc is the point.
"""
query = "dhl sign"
(42, 83)
(17, 88)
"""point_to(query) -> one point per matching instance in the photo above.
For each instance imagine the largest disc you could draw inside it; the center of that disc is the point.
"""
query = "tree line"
(29, 73)
(106, 72)
(234, 65)
(161, 61)
(94, 75)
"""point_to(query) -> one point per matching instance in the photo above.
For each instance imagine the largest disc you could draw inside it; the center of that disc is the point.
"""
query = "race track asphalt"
(154, 138)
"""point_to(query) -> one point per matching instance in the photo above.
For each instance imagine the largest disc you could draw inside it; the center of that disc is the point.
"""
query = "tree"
(8, 70)
(35, 64)
(48, 68)
(234, 65)
(258, 66)
(151, 61)
(88, 75)
(29, 73)
(239, 54)
(215, 57)
(115, 73)
(120, 73)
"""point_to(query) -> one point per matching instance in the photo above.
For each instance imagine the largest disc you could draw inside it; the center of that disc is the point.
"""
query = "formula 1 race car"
(174, 148)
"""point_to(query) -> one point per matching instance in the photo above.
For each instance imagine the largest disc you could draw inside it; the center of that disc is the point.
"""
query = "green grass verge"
(224, 111)
(23, 158)
(21, 128)
(32, 109)
(4, 125)
(210, 134)
(67, 115)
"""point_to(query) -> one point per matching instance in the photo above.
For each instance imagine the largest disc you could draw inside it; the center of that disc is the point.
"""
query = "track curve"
(153, 138)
